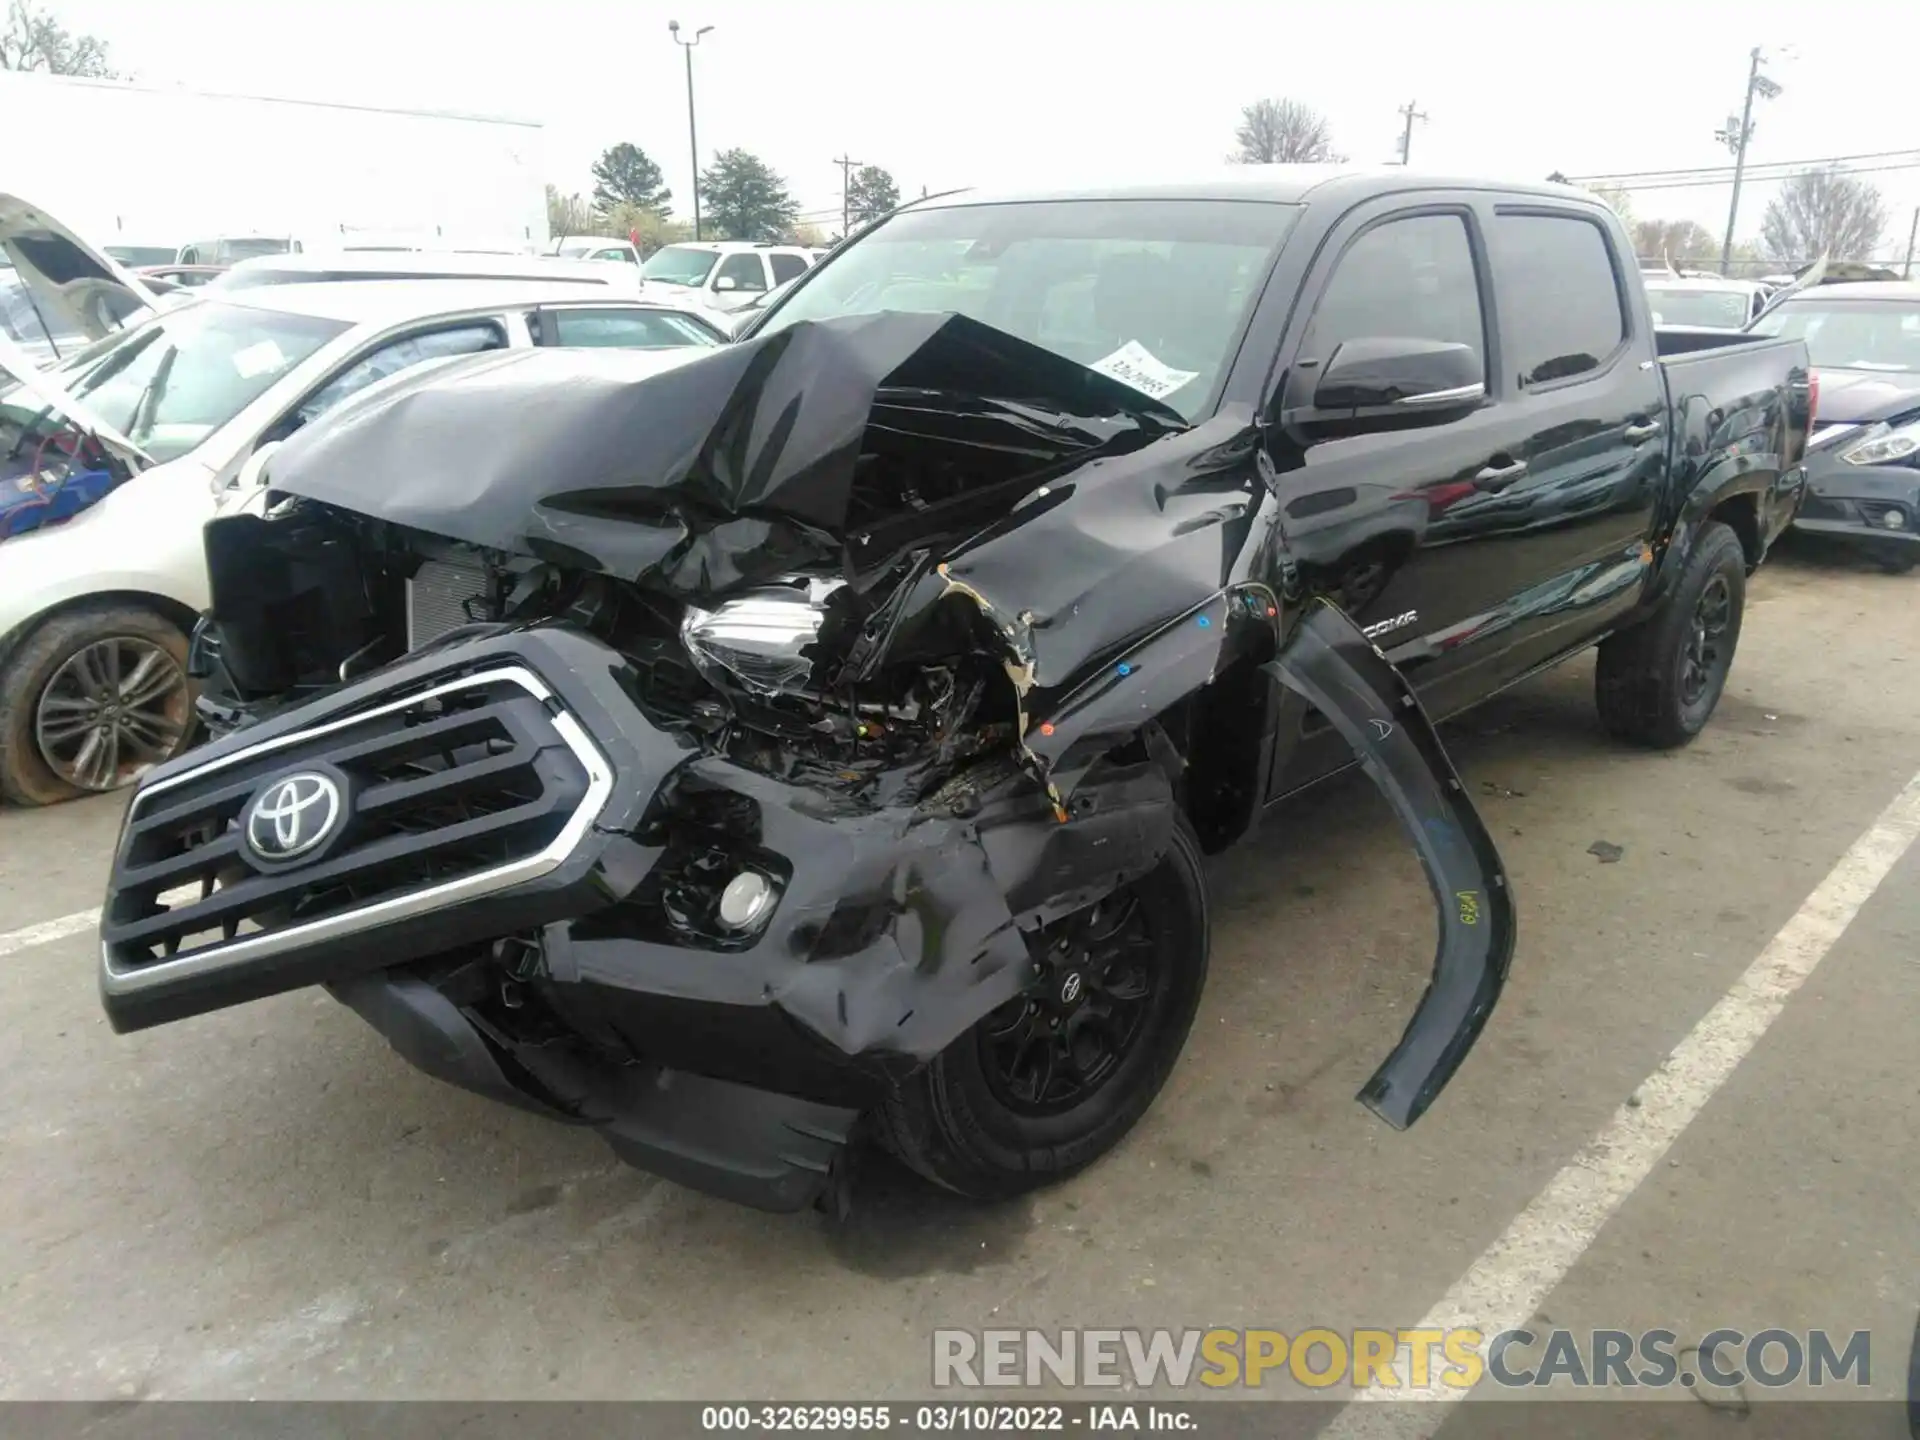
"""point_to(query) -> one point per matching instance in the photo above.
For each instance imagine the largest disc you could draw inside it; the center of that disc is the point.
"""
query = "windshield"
(1152, 292)
(1709, 309)
(679, 265)
(170, 383)
(1851, 334)
(142, 254)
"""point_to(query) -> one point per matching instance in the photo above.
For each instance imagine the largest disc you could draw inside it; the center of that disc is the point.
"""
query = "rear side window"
(622, 330)
(1407, 279)
(1560, 304)
(785, 267)
(745, 272)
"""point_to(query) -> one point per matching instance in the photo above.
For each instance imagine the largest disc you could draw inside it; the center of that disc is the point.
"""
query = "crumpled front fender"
(1330, 663)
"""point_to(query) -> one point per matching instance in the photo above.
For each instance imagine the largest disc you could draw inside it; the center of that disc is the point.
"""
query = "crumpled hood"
(706, 469)
(1856, 397)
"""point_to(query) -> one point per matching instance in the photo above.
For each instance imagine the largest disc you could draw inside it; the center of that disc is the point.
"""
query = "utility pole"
(1735, 136)
(846, 182)
(1913, 233)
(693, 135)
(1406, 135)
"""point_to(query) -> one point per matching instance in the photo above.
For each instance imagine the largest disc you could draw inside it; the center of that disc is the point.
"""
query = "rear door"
(1578, 354)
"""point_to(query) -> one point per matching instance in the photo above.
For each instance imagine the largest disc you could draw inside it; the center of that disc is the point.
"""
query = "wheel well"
(172, 610)
(1219, 731)
(1741, 514)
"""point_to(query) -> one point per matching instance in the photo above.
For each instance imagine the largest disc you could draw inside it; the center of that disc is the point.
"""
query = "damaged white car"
(114, 455)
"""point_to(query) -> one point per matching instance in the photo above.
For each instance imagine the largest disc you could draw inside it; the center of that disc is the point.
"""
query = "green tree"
(870, 194)
(623, 175)
(744, 199)
(34, 40)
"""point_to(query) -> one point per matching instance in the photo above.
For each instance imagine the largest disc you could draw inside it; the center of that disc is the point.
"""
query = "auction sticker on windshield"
(261, 358)
(1133, 364)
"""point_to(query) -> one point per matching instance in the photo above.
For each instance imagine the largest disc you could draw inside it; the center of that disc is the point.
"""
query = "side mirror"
(725, 282)
(1398, 378)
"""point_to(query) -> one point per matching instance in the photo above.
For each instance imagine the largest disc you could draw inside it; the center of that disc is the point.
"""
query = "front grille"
(460, 790)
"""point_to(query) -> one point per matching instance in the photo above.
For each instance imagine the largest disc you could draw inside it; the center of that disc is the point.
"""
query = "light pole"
(1734, 135)
(693, 135)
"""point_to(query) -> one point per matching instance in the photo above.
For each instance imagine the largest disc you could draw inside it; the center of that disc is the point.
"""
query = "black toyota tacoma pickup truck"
(754, 751)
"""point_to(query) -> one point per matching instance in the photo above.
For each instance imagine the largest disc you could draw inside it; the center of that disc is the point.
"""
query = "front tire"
(1658, 683)
(90, 701)
(1051, 1081)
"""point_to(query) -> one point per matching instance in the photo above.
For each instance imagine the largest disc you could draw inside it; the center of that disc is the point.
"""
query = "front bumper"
(895, 929)
(1854, 502)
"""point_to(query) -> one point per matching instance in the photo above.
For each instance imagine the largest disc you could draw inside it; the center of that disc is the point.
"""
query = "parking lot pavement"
(267, 1202)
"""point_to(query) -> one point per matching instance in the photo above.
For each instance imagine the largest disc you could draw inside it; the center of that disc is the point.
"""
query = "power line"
(1755, 179)
(1609, 176)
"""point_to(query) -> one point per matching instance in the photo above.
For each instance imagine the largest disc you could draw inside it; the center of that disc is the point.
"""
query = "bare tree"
(1283, 132)
(34, 40)
(1824, 212)
(1677, 240)
(1616, 199)
(569, 214)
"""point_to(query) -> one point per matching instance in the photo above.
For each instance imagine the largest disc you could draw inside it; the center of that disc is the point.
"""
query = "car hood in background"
(78, 291)
(1861, 397)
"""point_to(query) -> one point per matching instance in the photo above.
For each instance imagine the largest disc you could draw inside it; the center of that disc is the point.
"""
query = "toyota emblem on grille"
(293, 815)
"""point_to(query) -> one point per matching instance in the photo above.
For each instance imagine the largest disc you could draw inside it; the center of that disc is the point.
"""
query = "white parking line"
(48, 931)
(1507, 1284)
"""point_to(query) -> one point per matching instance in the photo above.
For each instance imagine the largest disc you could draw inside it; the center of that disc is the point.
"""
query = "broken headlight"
(764, 639)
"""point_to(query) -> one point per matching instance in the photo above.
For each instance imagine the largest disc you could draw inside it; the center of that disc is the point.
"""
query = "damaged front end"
(701, 748)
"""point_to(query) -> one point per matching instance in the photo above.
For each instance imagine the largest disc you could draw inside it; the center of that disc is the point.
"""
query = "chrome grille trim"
(450, 892)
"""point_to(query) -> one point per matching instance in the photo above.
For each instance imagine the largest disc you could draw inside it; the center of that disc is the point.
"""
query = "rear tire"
(1657, 684)
(129, 664)
(977, 1122)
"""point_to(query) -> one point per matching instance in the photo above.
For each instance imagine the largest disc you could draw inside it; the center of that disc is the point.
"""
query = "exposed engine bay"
(700, 746)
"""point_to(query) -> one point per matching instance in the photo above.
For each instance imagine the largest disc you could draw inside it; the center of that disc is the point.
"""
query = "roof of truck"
(1283, 184)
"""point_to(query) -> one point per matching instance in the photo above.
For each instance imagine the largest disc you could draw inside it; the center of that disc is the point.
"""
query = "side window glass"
(1410, 279)
(398, 355)
(745, 272)
(1560, 304)
(622, 330)
(786, 267)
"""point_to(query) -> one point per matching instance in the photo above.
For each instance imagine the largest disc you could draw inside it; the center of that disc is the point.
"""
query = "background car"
(1863, 461)
(1716, 304)
(95, 611)
(726, 274)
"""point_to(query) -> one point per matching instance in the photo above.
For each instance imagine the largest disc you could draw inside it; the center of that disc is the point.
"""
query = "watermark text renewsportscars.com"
(1412, 1361)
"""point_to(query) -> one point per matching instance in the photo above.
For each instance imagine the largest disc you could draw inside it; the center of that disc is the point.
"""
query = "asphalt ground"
(268, 1203)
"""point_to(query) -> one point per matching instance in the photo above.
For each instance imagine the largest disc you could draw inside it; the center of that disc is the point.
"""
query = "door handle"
(1634, 434)
(1498, 477)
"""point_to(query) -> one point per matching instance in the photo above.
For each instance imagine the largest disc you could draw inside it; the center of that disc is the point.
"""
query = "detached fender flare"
(1328, 661)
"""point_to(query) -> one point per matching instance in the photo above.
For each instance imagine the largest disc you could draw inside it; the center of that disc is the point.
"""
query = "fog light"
(747, 901)
(1894, 520)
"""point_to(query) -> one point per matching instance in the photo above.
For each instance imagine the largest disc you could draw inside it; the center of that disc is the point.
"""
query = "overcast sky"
(993, 93)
